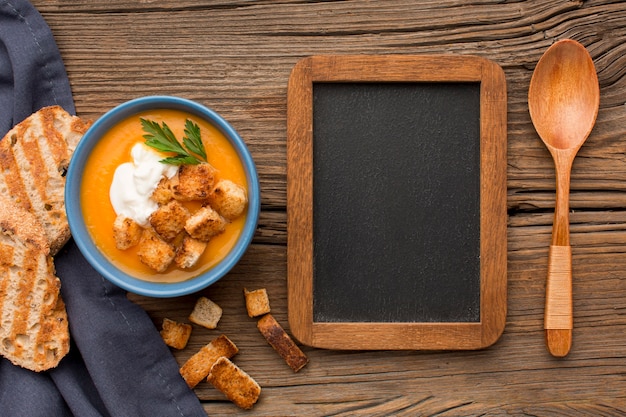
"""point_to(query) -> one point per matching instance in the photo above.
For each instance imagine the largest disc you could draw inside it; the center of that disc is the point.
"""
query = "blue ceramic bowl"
(84, 240)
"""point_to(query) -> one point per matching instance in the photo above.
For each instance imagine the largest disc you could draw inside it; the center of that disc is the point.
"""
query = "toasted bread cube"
(281, 342)
(205, 223)
(169, 220)
(154, 251)
(257, 302)
(189, 252)
(206, 313)
(163, 193)
(126, 232)
(228, 199)
(199, 365)
(195, 182)
(175, 334)
(236, 384)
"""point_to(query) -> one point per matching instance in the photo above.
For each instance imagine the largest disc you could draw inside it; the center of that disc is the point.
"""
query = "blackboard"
(397, 202)
(387, 178)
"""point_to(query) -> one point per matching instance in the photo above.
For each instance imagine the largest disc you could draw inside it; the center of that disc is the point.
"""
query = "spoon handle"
(558, 321)
(558, 316)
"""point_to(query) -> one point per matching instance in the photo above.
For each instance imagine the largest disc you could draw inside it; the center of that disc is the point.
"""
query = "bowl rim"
(81, 235)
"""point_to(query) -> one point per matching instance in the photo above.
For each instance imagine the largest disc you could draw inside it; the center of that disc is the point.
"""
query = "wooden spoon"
(563, 100)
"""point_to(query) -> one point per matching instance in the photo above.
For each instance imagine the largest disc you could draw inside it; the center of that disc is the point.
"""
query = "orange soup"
(114, 149)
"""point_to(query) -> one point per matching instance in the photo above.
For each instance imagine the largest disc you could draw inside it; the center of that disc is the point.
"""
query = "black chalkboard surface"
(397, 202)
(389, 175)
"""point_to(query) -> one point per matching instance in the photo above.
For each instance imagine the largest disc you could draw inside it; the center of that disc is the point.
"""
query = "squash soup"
(114, 149)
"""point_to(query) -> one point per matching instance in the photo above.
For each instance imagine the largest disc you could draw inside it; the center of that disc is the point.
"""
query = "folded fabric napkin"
(118, 364)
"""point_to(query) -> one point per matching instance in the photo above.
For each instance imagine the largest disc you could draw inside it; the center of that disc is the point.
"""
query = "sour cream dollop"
(134, 182)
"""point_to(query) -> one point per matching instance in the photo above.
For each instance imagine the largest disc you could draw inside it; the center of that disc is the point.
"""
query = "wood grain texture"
(236, 57)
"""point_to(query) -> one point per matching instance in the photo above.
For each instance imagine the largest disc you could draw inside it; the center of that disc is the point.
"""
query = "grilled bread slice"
(34, 157)
(34, 331)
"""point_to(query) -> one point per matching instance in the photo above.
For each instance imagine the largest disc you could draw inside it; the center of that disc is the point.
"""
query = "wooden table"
(236, 56)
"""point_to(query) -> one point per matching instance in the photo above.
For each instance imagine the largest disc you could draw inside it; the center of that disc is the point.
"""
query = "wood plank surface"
(236, 57)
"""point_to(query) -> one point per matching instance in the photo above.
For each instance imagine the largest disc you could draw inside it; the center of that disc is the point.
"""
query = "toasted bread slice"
(34, 332)
(34, 157)
(235, 383)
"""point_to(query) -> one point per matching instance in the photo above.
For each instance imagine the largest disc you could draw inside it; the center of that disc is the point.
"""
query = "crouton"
(169, 220)
(228, 199)
(205, 223)
(175, 334)
(189, 252)
(206, 313)
(155, 252)
(163, 192)
(232, 381)
(126, 232)
(199, 365)
(257, 302)
(282, 343)
(194, 182)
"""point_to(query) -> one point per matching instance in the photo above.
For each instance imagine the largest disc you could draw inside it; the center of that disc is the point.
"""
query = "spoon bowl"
(564, 97)
(563, 100)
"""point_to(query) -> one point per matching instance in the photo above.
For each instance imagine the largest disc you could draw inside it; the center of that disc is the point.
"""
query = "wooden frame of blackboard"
(493, 217)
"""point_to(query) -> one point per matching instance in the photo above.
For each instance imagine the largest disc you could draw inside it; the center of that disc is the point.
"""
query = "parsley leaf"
(161, 138)
(192, 139)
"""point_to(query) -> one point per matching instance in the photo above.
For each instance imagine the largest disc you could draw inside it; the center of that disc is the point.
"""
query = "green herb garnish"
(161, 138)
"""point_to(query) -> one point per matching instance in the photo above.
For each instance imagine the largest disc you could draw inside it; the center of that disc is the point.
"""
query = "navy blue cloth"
(118, 365)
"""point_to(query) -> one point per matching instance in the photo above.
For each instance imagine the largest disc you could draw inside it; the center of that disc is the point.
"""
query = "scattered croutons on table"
(206, 313)
(257, 302)
(213, 362)
(175, 334)
(199, 365)
(281, 342)
(236, 384)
